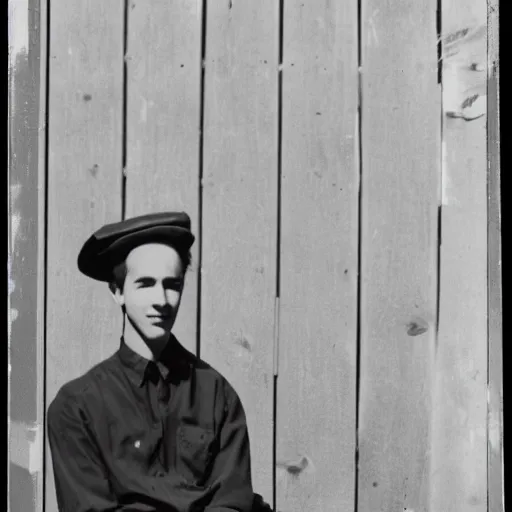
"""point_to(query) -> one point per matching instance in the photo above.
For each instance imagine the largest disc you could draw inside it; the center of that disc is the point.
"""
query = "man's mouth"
(159, 318)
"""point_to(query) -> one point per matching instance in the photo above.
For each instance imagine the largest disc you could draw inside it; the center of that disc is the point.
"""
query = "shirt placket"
(159, 398)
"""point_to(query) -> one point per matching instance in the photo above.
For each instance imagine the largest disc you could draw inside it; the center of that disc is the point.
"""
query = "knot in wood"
(417, 327)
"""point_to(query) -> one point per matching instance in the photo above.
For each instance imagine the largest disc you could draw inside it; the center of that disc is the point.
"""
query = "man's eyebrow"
(146, 279)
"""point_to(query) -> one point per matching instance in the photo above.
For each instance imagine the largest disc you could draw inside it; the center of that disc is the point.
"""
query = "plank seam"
(124, 128)
(276, 336)
(439, 21)
(274, 451)
(274, 412)
(439, 29)
(200, 181)
(278, 242)
(45, 195)
(279, 143)
(359, 163)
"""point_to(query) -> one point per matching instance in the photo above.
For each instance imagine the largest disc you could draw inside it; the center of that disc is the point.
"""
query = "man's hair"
(120, 270)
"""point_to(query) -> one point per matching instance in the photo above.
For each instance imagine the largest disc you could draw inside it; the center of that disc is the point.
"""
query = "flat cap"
(111, 244)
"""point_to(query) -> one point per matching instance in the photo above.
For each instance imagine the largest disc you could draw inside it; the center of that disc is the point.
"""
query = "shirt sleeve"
(231, 470)
(81, 482)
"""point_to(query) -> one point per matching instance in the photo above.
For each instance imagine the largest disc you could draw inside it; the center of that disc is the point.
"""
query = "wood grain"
(400, 183)
(239, 212)
(459, 415)
(163, 108)
(495, 477)
(316, 385)
(84, 184)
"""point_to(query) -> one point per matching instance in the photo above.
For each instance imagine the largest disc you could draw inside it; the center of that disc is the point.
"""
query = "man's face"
(152, 289)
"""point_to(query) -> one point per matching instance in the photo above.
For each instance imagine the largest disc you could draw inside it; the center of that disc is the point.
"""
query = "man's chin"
(158, 331)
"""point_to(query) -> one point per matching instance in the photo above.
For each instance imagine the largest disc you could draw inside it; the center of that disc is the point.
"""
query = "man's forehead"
(153, 255)
(153, 248)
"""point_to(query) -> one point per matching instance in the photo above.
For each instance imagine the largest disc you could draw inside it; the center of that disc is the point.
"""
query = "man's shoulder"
(206, 370)
(213, 377)
(79, 390)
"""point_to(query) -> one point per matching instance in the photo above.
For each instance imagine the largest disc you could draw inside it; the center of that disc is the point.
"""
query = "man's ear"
(116, 294)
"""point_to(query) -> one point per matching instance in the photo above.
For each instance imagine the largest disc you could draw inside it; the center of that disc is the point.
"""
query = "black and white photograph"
(254, 256)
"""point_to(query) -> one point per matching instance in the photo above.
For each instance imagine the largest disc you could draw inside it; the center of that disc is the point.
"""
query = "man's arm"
(81, 481)
(231, 470)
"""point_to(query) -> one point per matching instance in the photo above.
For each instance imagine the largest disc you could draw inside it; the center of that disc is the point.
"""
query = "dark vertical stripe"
(440, 207)
(359, 243)
(279, 143)
(124, 128)
(439, 19)
(200, 187)
(278, 238)
(46, 224)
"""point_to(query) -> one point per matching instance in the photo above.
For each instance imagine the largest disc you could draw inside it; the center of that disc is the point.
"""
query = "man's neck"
(148, 349)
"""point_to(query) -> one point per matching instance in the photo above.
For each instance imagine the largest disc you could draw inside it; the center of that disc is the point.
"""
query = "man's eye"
(173, 285)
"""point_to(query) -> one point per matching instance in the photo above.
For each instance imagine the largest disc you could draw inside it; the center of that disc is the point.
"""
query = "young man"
(152, 428)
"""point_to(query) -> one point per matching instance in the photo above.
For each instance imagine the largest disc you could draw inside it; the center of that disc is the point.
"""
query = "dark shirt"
(136, 435)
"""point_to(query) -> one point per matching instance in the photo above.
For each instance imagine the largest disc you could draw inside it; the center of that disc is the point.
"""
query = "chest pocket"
(195, 452)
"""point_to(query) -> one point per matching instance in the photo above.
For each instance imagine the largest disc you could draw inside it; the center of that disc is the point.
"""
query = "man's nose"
(160, 296)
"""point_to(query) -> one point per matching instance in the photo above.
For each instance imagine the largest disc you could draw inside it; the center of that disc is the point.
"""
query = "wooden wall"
(333, 157)
(26, 257)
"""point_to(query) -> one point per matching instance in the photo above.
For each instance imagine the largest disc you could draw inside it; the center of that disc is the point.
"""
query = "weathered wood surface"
(162, 125)
(27, 31)
(316, 384)
(459, 411)
(240, 211)
(84, 184)
(400, 181)
(495, 321)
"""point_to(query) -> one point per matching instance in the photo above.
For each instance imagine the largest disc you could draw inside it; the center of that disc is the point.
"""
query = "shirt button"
(137, 444)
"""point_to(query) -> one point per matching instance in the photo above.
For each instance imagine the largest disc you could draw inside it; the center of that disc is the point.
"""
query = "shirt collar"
(174, 363)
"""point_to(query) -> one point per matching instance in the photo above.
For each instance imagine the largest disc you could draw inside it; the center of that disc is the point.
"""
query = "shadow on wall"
(21, 495)
(22, 284)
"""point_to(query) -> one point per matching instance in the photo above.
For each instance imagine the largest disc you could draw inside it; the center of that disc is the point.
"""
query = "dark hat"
(111, 244)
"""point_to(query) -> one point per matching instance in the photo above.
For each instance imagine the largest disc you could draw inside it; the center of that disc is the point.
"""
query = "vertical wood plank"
(400, 181)
(239, 211)
(84, 184)
(495, 320)
(27, 76)
(316, 385)
(163, 105)
(459, 434)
